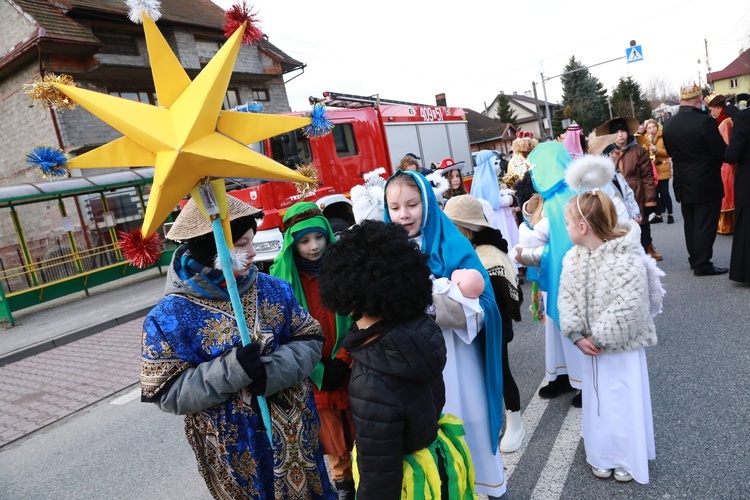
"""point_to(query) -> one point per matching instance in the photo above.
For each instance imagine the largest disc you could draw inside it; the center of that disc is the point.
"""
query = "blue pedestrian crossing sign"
(634, 53)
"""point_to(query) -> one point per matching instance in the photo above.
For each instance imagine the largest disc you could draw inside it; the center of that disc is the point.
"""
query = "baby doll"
(465, 287)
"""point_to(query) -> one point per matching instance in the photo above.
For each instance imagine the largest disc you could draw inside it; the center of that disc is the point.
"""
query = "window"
(733, 83)
(231, 99)
(122, 44)
(260, 95)
(146, 96)
(343, 138)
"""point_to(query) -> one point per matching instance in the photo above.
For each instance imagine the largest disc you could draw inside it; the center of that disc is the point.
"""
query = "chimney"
(440, 100)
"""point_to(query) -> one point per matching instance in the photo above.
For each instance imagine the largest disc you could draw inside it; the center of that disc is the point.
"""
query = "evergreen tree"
(584, 97)
(504, 112)
(558, 113)
(628, 100)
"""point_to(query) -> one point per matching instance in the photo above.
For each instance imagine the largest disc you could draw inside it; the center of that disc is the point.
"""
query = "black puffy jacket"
(397, 394)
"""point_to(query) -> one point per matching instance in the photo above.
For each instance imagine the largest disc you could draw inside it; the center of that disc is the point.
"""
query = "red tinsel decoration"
(141, 252)
(238, 15)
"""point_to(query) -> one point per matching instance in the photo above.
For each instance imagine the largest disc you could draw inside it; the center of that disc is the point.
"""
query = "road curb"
(66, 338)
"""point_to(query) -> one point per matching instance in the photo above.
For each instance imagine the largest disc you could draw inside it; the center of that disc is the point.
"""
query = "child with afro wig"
(376, 274)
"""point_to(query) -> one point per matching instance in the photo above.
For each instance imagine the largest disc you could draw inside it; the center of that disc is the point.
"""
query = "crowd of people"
(384, 347)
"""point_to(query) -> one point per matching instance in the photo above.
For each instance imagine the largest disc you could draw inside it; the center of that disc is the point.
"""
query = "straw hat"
(191, 223)
(466, 211)
(627, 123)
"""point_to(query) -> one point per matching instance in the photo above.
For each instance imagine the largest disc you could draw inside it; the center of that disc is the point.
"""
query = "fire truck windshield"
(291, 149)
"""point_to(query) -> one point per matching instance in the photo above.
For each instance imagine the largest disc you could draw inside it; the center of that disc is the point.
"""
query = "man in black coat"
(738, 152)
(696, 147)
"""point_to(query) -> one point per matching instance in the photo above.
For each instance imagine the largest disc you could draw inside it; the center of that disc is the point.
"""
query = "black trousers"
(646, 233)
(663, 200)
(701, 222)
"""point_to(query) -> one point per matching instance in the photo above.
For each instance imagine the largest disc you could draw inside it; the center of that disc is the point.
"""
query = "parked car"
(497, 162)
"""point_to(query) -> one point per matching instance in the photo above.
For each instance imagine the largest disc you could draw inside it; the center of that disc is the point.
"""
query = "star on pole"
(187, 138)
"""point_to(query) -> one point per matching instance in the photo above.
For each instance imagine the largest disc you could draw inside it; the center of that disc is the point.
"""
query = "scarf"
(207, 281)
(304, 216)
(449, 250)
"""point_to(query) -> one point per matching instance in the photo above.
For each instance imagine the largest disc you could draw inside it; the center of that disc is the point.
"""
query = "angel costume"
(610, 295)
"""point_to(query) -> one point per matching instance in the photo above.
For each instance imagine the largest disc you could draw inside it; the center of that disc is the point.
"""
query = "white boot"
(514, 432)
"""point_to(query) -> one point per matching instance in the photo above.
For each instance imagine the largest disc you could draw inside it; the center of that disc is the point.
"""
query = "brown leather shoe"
(653, 253)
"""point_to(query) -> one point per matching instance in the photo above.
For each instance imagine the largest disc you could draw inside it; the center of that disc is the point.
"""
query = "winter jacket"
(397, 394)
(604, 294)
(635, 166)
(663, 163)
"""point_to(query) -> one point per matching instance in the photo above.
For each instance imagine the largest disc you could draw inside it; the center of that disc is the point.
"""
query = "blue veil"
(449, 250)
(549, 161)
(484, 185)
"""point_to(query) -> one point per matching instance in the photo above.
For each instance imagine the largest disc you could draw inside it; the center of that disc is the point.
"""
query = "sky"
(473, 49)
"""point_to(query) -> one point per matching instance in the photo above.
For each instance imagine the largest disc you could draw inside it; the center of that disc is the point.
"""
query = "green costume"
(301, 216)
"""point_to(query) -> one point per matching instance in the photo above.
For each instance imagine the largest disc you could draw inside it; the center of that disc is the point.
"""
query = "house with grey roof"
(529, 110)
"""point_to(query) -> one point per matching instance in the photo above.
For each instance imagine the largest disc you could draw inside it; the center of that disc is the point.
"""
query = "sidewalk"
(51, 363)
(58, 322)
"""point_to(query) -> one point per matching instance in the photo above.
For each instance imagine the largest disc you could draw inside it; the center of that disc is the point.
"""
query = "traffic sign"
(634, 53)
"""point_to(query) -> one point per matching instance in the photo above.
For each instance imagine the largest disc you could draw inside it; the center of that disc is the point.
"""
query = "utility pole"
(708, 65)
(540, 124)
(544, 88)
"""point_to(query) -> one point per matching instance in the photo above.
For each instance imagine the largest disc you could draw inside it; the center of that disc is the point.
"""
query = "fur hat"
(191, 222)
(589, 172)
(466, 211)
(690, 91)
(368, 200)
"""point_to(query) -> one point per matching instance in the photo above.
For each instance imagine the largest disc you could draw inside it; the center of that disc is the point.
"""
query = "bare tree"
(659, 90)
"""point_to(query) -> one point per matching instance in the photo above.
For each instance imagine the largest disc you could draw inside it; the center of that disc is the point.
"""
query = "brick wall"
(22, 126)
(14, 26)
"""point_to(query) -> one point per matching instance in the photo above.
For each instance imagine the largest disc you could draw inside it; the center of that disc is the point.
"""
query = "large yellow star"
(187, 138)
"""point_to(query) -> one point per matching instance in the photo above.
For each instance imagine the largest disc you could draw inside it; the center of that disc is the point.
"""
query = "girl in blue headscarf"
(473, 372)
(564, 361)
(485, 187)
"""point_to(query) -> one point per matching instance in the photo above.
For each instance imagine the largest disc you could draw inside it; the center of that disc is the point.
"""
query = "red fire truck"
(368, 133)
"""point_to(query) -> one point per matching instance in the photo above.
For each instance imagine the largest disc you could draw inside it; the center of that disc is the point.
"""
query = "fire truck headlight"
(267, 246)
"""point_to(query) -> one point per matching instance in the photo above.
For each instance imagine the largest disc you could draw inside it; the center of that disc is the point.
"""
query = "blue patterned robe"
(229, 439)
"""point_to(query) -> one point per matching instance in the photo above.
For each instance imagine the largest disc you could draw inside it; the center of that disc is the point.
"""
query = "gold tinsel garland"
(510, 178)
(43, 91)
(307, 188)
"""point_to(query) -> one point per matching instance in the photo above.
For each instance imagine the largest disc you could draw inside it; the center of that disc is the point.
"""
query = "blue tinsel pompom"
(51, 161)
(319, 125)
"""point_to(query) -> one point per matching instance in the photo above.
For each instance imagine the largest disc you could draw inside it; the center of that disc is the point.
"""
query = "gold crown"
(690, 91)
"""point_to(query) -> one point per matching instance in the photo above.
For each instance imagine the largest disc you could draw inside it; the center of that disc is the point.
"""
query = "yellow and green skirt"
(421, 471)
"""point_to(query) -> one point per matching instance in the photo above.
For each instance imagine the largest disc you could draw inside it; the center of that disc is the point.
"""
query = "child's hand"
(588, 347)
(518, 255)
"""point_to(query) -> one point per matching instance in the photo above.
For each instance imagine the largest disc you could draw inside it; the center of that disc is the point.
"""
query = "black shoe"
(657, 220)
(559, 386)
(711, 271)
(345, 489)
(670, 219)
(577, 401)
